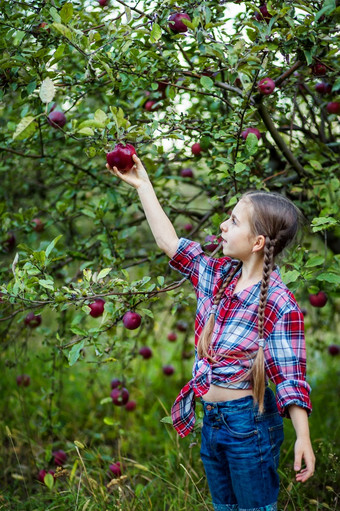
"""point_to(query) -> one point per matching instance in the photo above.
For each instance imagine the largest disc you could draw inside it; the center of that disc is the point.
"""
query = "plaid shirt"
(235, 333)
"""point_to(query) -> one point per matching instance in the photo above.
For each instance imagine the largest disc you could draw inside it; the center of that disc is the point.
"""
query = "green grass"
(65, 405)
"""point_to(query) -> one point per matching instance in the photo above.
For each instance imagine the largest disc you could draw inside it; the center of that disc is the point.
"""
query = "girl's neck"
(251, 272)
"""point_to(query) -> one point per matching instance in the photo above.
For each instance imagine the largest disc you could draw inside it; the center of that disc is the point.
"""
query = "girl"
(248, 328)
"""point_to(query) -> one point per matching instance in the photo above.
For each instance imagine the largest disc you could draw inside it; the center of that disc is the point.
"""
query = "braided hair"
(277, 219)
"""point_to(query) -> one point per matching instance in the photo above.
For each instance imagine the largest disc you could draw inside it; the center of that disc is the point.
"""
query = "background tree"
(232, 96)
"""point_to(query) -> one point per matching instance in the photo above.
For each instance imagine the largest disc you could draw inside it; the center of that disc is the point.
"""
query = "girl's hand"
(304, 451)
(135, 177)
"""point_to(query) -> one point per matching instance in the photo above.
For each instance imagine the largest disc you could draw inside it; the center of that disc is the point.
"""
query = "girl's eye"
(233, 221)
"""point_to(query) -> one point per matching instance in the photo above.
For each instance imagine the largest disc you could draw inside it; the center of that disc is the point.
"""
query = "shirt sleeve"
(286, 362)
(203, 271)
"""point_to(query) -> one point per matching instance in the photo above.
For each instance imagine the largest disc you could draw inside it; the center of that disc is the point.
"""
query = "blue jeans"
(240, 451)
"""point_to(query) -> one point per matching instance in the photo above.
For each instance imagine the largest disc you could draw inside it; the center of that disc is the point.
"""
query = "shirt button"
(209, 407)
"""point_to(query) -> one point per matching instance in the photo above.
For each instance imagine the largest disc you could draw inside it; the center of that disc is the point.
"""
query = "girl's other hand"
(135, 177)
(304, 451)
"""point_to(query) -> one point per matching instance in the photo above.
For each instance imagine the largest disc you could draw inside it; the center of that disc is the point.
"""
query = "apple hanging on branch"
(246, 132)
(56, 119)
(319, 299)
(175, 22)
(97, 308)
(266, 86)
(121, 157)
(131, 320)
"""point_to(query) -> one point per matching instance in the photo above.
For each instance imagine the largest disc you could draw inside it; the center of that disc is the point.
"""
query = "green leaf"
(252, 143)
(167, 420)
(25, 128)
(74, 353)
(291, 276)
(52, 245)
(314, 261)
(49, 481)
(328, 7)
(66, 12)
(100, 116)
(160, 280)
(78, 331)
(206, 82)
(239, 167)
(109, 420)
(47, 90)
(55, 15)
(103, 273)
(156, 33)
(90, 123)
(47, 284)
(105, 400)
(59, 52)
(88, 132)
(148, 312)
(65, 31)
(332, 278)
(79, 444)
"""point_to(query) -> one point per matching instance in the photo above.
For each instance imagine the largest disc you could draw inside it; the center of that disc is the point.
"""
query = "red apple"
(60, 457)
(196, 149)
(263, 14)
(56, 119)
(9, 242)
(43, 26)
(182, 326)
(319, 69)
(168, 370)
(121, 157)
(172, 337)
(103, 3)
(97, 308)
(187, 173)
(333, 107)
(323, 88)
(175, 21)
(149, 105)
(246, 132)
(120, 396)
(23, 380)
(42, 474)
(132, 320)
(266, 86)
(116, 469)
(38, 225)
(33, 320)
(131, 405)
(188, 227)
(211, 242)
(318, 300)
(146, 352)
(334, 349)
(116, 383)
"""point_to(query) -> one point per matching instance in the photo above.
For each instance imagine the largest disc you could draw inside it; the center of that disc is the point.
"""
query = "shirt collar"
(252, 293)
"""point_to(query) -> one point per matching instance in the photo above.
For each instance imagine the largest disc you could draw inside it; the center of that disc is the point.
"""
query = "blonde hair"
(277, 219)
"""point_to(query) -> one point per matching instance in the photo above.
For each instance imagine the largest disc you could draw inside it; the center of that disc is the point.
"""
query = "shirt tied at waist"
(183, 410)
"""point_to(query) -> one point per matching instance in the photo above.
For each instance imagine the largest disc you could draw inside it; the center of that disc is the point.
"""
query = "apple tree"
(216, 97)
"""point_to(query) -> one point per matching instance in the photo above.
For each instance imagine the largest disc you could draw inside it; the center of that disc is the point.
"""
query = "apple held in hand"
(120, 396)
(56, 119)
(319, 299)
(121, 157)
(132, 320)
(333, 107)
(97, 308)
(175, 22)
(246, 132)
(266, 86)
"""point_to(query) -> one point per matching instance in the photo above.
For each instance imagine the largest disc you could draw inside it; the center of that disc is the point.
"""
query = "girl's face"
(239, 242)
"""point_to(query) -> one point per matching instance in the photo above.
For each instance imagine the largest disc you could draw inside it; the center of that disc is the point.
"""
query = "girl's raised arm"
(160, 225)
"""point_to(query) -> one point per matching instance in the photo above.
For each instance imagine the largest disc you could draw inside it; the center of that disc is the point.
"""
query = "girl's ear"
(259, 243)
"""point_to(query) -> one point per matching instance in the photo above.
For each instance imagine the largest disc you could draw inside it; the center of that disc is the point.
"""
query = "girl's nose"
(224, 226)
